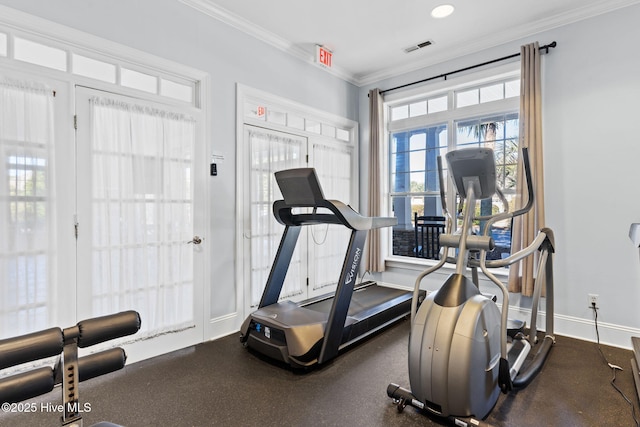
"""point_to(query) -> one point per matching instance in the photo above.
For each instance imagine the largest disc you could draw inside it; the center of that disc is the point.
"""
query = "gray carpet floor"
(222, 383)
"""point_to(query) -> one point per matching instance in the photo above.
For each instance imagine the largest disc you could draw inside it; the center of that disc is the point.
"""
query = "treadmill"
(314, 331)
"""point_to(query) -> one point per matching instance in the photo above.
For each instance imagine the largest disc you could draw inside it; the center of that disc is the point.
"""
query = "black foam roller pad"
(34, 346)
(26, 385)
(100, 329)
(97, 364)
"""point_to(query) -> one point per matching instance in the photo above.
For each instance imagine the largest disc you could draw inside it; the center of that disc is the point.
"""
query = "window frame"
(449, 118)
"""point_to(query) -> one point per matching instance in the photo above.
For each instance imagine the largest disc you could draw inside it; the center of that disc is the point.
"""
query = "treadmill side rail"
(342, 300)
(278, 272)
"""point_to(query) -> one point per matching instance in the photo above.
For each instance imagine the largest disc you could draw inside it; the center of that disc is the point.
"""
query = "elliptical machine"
(460, 352)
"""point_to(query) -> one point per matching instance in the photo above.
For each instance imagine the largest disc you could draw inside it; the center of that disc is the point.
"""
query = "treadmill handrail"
(342, 214)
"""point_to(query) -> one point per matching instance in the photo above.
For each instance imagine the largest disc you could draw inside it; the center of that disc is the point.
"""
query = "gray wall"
(591, 93)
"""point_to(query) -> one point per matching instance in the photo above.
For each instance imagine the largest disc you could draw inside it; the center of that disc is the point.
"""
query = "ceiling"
(368, 38)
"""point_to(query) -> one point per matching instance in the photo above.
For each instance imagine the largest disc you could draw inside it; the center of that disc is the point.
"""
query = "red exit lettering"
(323, 56)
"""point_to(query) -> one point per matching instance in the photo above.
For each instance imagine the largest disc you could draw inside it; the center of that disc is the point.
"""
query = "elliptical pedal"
(515, 327)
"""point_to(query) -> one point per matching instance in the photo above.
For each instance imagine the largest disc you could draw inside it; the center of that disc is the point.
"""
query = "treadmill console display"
(299, 187)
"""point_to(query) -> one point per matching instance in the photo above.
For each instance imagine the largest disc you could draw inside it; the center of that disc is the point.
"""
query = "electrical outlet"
(593, 300)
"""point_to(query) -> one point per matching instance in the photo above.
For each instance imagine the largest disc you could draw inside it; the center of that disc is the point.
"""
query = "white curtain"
(333, 166)
(270, 152)
(142, 219)
(27, 208)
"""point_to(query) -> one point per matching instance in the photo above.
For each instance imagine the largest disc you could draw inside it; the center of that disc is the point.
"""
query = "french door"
(98, 225)
(138, 242)
(319, 253)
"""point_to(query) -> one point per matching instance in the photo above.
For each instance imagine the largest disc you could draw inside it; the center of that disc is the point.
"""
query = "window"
(90, 67)
(500, 133)
(70, 58)
(39, 54)
(419, 108)
(473, 115)
(414, 174)
(137, 80)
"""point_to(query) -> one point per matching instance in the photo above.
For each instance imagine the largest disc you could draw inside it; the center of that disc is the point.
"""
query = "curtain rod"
(504, 58)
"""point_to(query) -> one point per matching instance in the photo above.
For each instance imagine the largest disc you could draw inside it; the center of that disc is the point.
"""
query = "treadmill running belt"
(363, 300)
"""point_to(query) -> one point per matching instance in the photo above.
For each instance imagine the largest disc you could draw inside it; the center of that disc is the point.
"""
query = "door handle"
(196, 240)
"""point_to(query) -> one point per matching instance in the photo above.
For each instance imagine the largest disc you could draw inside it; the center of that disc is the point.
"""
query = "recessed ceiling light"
(442, 11)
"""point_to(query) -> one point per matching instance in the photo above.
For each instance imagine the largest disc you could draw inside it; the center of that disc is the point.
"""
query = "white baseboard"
(570, 326)
(584, 329)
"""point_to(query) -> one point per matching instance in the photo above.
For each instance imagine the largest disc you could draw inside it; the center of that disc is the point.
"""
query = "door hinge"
(306, 159)
(307, 282)
(75, 122)
(75, 226)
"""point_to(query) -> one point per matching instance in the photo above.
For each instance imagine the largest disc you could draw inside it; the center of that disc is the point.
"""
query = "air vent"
(418, 46)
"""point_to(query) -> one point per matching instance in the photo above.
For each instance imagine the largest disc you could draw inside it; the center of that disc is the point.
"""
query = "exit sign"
(323, 56)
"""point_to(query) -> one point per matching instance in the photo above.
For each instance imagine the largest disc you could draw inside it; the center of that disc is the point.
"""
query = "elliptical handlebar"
(529, 181)
(443, 197)
(530, 195)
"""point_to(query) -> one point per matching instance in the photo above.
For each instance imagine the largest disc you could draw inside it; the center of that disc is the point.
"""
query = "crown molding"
(209, 8)
(497, 39)
(250, 28)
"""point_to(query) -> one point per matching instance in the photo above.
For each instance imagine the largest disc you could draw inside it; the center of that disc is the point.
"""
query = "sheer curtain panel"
(142, 219)
(330, 241)
(270, 152)
(27, 208)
